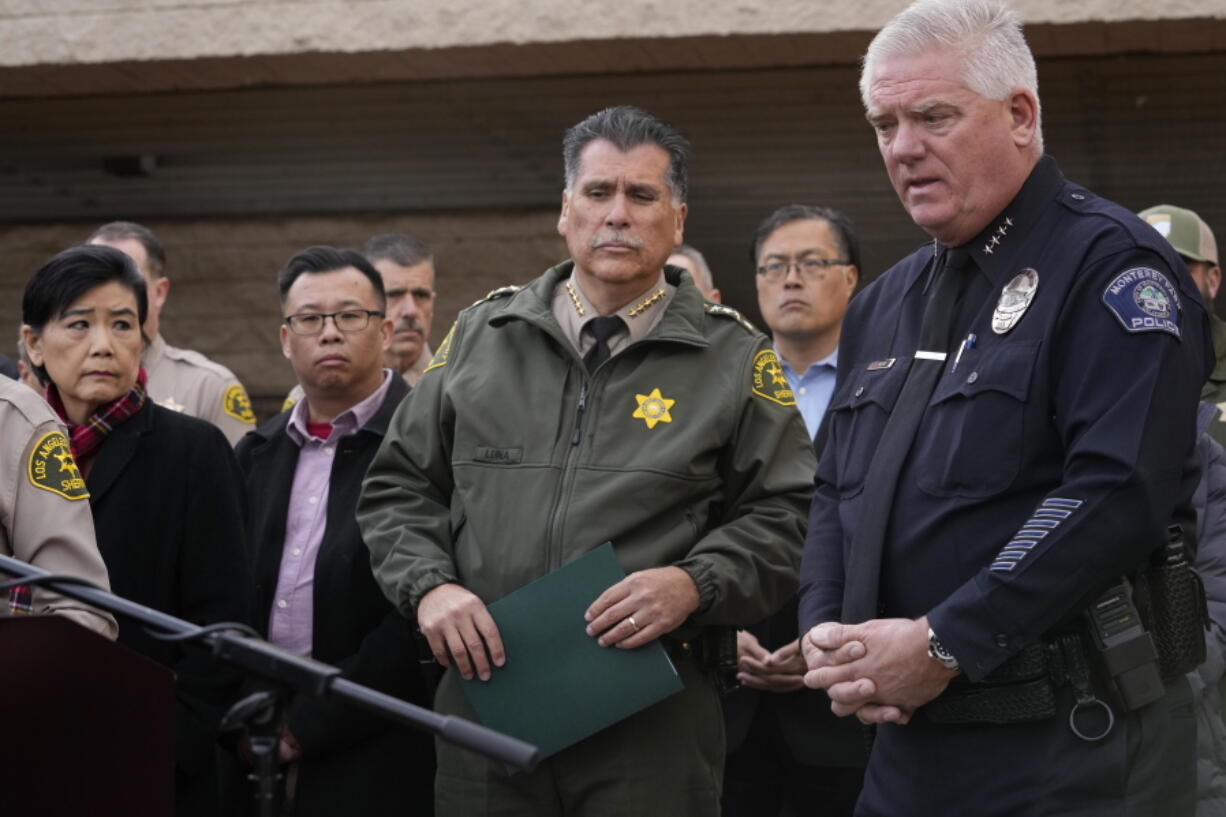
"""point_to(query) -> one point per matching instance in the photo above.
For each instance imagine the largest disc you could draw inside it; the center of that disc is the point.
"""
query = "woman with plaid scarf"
(164, 487)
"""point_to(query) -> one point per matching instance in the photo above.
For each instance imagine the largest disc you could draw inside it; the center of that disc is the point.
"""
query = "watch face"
(938, 653)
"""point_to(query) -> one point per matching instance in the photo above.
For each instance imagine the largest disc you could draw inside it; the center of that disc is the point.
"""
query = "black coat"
(168, 509)
(352, 762)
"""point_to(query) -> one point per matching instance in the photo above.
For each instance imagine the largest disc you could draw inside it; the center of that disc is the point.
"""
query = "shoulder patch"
(53, 468)
(444, 349)
(237, 404)
(768, 380)
(1144, 300)
(728, 312)
(289, 403)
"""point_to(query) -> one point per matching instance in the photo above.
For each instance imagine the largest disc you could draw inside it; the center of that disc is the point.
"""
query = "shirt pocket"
(858, 411)
(970, 443)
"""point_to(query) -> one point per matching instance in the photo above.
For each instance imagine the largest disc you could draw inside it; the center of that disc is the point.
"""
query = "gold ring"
(632, 624)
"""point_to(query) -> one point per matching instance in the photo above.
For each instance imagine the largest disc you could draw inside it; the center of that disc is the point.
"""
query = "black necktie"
(863, 575)
(602, 328)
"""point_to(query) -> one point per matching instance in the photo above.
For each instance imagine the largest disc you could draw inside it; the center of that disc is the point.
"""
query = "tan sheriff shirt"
(411, 376)
(573, 311)
(45, 517)
(187, 381)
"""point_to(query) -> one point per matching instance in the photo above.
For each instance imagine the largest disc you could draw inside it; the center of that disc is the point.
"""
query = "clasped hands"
(878, 671)
(637, 610)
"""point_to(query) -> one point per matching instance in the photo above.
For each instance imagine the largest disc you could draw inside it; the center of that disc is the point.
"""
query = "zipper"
(566, 482)
(574, 438)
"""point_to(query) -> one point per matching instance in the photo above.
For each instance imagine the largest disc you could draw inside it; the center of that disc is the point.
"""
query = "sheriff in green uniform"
(605, 401)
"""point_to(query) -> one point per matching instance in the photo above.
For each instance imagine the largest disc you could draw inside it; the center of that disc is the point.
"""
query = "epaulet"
(193, 358)
(730, 313)
(26, 402)
(501, 292)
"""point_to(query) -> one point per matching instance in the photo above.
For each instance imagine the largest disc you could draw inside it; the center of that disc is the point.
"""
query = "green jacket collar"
(682, 321)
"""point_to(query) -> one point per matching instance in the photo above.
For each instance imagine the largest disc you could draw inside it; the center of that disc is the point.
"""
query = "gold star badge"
(653, 408)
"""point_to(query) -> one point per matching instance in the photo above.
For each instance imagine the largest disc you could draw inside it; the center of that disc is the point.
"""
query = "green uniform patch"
(440, 355)
(238, 405)
(768, 379)
(53, 468)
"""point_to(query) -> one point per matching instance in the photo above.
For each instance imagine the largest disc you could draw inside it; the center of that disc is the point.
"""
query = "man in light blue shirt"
(808, 264)
(786, 750)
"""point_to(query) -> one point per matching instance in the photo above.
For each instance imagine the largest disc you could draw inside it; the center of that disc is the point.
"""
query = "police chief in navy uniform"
(986, 478)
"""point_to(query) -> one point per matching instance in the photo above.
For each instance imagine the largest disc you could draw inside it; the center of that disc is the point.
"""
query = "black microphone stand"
(238, 645)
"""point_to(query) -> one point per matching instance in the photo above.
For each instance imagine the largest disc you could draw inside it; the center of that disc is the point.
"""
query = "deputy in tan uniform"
(44, 505)
(407, 267)
(179, 379)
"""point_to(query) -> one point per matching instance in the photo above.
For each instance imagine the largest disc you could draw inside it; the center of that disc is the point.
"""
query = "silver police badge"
(1014, 300)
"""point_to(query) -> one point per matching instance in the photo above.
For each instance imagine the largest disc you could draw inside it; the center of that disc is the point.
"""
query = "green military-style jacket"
(509, 460)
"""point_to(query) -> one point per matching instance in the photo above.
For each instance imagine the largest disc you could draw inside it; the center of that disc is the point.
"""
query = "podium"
(88, 724)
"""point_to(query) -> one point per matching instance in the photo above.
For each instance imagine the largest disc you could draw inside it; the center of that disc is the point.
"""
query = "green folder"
(558, 685)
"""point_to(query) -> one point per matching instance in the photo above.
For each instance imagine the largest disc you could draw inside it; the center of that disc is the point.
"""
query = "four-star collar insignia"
(653, 408)
(1003, 230)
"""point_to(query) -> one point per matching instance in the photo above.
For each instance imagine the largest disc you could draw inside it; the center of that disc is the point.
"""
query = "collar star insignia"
(653, 408)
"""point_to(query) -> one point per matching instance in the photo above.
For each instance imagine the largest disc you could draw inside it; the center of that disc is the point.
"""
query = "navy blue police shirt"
(1051, 457)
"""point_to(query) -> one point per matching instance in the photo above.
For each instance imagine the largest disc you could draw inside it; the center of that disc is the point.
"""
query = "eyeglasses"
(347, 320)
(809, 268)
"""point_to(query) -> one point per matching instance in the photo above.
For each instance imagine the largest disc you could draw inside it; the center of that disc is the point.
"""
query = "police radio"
(1125, 648)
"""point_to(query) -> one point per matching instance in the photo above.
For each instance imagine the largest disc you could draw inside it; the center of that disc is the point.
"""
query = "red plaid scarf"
(86, 438)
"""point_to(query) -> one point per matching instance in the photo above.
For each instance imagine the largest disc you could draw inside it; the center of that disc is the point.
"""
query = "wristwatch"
(938, 652)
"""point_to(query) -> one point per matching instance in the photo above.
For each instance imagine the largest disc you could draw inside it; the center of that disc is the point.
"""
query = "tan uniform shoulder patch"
(237, 404)
(53, 468)
(444, 349)
(768, 380)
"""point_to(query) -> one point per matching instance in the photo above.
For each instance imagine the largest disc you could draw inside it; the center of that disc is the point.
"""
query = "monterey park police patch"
(1144, 300)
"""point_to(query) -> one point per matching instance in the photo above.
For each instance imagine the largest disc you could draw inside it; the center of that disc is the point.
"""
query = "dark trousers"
(665, 760)
(762, 778)
(1146, 766)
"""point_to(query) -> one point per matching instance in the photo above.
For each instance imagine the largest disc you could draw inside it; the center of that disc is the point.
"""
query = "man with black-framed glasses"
(785, 747)
(314, 591)
(808, 264)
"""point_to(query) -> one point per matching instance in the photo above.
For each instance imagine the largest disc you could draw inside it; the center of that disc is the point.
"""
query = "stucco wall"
(37, 32)
(78, 47)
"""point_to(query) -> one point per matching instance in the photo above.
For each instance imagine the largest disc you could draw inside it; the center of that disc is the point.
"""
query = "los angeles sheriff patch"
(768, 380)
(1144, 300)
(444, 349)
(53, 468)
(237, 404)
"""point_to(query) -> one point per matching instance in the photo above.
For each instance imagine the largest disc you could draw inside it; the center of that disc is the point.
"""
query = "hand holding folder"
(558, 685)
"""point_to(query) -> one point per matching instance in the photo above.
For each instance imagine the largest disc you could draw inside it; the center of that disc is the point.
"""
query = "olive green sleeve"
(746, 567)
(404, 510)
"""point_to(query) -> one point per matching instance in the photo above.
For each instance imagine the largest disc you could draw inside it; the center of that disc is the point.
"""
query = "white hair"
(986, 34)
(700, 264)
